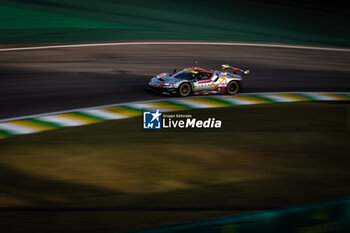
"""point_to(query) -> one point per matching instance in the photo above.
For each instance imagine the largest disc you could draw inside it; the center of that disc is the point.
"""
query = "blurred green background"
(41, 21)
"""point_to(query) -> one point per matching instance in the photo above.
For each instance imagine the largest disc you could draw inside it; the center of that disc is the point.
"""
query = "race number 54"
(222, 81)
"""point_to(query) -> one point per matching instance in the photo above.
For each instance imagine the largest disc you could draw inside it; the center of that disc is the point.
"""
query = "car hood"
(164, 78)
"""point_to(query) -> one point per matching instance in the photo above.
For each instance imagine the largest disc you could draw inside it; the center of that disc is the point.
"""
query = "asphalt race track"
(40, 81)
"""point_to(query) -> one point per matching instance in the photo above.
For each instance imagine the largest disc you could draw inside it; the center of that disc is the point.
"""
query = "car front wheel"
(184, 89)
(232, 87)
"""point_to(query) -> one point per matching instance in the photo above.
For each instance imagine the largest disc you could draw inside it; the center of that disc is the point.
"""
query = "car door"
(204, 82)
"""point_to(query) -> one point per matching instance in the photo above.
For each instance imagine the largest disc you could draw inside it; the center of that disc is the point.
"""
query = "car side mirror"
(174, 71)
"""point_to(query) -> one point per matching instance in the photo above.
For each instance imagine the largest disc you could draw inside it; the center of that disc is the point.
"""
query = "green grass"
(265, 156)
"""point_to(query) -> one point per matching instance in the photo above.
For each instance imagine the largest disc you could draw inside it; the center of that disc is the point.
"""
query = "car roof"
(198, 69)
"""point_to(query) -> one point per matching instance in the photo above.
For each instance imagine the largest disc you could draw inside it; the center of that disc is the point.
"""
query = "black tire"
(233, 87)
(184, 89)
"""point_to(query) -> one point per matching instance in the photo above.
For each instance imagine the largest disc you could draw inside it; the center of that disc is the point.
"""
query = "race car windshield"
(185, 74)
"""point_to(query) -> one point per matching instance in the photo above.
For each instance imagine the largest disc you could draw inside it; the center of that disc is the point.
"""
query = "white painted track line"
(279, 98)
(17, 129)
(103, 114)
(63, 121)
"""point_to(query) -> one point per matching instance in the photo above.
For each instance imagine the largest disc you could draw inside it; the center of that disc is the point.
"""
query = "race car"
(199, 81)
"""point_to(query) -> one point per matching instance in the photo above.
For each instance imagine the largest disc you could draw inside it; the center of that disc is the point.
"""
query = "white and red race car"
(197, 80)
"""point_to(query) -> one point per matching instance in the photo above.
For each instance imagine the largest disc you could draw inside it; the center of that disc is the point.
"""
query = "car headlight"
(171, 85)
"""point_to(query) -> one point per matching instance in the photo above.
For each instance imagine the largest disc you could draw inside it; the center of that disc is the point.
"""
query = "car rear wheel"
(232, 87)
(184, 89)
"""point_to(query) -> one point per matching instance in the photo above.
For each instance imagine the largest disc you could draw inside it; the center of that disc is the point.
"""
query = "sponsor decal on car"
(192, 71)
(162, 75)
(204, 81)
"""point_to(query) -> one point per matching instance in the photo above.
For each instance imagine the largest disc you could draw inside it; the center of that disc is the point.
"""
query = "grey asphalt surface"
(40, 81)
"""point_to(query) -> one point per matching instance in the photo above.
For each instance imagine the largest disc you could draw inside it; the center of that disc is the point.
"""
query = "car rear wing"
(226, 67)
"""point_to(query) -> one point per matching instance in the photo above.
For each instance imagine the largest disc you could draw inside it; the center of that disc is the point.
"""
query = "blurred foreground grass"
(117, 177)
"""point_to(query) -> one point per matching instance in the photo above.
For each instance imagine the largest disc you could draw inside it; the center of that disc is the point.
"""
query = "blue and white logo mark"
(151, 120)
